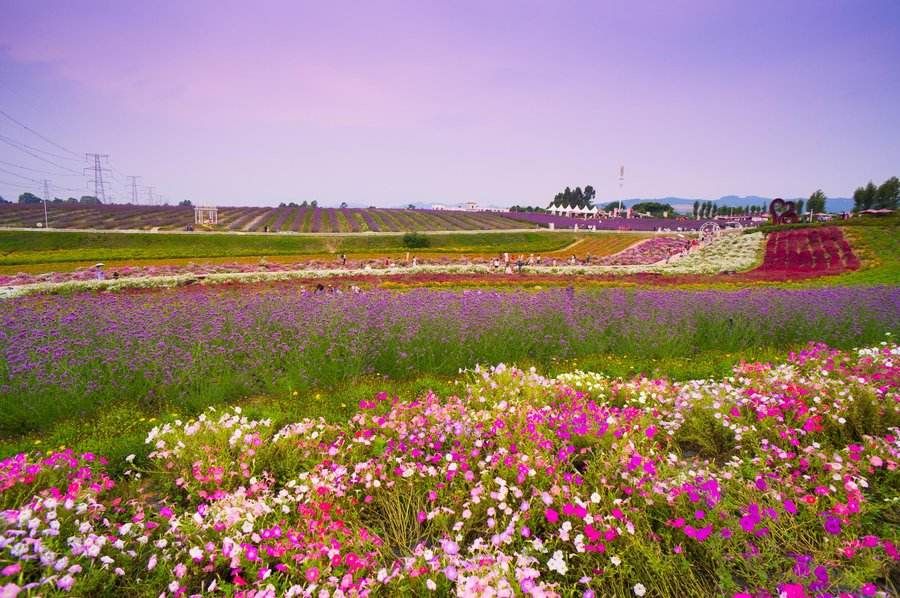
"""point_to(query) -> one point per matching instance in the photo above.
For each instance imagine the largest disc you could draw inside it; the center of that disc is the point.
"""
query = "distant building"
(470, 206)
(438, 207)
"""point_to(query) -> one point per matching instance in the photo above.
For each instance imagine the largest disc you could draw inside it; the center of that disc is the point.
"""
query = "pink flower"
(312, 574)
(793, 590)
(11, 569)
(551, 515)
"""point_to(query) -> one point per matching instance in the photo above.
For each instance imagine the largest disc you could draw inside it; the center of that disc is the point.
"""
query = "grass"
(26, 248)
(120, 428)
(875, 240)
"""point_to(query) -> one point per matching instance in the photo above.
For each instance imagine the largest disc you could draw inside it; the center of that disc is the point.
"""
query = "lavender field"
(69, 356)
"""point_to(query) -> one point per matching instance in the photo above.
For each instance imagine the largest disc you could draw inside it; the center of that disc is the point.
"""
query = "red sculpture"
(783, 212)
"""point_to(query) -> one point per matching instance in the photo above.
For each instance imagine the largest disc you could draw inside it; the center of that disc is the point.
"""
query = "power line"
(36, 149)
(36, 170)
(22, 146)
(19, 175)
(15, 185)
(29, 129)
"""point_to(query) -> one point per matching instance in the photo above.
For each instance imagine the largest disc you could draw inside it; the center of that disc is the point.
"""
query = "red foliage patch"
(816, 251)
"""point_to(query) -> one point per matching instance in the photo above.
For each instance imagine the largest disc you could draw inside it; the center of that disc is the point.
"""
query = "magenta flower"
(832, 525)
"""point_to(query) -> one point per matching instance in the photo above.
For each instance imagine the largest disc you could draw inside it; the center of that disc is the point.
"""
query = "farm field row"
(249, 219)
(21, 248)
(732, 252)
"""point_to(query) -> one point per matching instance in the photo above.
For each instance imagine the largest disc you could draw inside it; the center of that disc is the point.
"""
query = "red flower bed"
(810, 250)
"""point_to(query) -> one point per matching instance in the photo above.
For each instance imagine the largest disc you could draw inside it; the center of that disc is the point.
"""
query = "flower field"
(734, 252)
(69, 356)
(811, 250)
(779, 480)
(648, 252)
(301, 220)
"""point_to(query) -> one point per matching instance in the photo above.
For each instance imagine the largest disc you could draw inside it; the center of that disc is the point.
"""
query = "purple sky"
(387, 103)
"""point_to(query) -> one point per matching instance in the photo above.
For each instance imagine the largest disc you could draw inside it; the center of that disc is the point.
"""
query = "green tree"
(864, 197)
(653, 207)
(888, 194)
(816, 202)
(89, 200)
(577, 198)
(799, 207)
(314, 204)
(696, 209)
(4, 200)
(185, 203)
(29, 198)
(344, 205)
(589, 194)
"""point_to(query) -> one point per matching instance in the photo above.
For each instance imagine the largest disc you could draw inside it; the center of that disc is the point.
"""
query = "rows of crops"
(300, 219)
(600, 245)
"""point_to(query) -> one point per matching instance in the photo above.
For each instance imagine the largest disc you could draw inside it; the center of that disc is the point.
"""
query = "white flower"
(615, 561)
(557, 563)
(130, 458)
(639, 589)
(431, 585)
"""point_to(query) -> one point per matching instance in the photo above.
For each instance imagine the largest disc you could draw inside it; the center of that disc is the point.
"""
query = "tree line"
(576, 198)
(885, 196)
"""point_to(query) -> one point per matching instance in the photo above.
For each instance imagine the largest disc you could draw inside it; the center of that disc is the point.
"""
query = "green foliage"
(29, 198)
(415, 240)
(816, 202)
(888, 194)
(576, 198)
(883, 197)
(654, 208)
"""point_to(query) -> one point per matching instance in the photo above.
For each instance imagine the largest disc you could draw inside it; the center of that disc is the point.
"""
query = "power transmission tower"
(621, 183)
(134, 193)
(150, 199)
(46, 199)
(97, 169)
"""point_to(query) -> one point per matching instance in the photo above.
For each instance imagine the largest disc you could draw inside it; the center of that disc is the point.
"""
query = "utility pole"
(134, 194)
(97, 169)
(46, 199)
(621, 192)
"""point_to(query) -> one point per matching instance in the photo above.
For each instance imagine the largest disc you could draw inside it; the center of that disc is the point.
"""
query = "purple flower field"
(65, 356)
